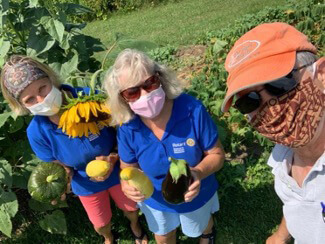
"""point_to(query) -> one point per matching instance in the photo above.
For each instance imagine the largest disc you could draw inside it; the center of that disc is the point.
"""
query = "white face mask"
(50, 105)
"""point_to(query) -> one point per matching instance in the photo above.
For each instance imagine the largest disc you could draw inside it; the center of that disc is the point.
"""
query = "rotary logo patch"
(190, 142)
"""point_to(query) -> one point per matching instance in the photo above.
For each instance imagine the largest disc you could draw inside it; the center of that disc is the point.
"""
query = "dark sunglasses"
(252, 100)
(133, 93)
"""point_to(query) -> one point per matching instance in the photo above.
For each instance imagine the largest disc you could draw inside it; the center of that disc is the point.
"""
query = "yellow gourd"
(137, 179)
(97, 168)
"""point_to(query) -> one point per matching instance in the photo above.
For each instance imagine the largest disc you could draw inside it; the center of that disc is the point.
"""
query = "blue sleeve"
(207, 132)
(39, 144)
(125, 150)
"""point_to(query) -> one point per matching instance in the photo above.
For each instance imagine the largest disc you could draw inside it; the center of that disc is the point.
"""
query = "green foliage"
(54, 223)
(165, 54)
(41, 30)
(101, 9)
(247, 151)
(245, 174)
(210, 85)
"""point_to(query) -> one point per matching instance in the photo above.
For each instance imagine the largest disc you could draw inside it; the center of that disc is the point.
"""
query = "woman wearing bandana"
(159, 122)
(33, 88)
(278, 82)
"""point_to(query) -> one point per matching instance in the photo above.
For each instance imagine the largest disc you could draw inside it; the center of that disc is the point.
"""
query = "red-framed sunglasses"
(133, 93)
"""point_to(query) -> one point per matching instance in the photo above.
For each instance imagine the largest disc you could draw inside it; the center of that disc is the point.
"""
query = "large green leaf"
(9, 203)
(20, 180)
(4, 6)
(5, 173)
(4, 117)
(16, 125)
(54, 223)
(5, 223)
(219, 46)
(54, 27)
(20, 177)
(33, 3)
(65, 41)
(4, 47)
(66, 68)
(38, 43)
(42, 207)
(69, 26)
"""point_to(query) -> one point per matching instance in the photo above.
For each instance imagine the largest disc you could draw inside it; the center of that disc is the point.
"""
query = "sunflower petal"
(86, 130)
(63, 119)
(93, 128)
(75, 114)
(105, 108)
(82, 110)
(93, 108)
(80, 130)
(74, 131)
(87, 110)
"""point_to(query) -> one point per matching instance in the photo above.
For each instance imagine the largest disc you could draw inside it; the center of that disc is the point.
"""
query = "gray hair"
(305, 58)
(134, 66)
(14, 102)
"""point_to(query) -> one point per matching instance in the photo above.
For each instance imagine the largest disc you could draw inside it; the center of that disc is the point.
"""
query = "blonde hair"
(13, 102)
(134, 66)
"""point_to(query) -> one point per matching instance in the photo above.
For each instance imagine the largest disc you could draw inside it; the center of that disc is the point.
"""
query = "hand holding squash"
(131, 192)
(138, 186)
(101, 168)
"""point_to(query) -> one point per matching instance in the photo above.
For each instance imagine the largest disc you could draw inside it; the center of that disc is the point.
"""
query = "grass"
(179, 23)
(245, 217)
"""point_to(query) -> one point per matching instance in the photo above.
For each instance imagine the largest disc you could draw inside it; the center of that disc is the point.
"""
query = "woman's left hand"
(194, 188)
(112, 159)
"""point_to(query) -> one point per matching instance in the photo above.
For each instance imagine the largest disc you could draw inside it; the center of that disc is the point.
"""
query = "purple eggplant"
(177, 181)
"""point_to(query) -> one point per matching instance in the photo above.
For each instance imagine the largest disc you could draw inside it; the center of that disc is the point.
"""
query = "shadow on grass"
(248, 217)
(244, 217)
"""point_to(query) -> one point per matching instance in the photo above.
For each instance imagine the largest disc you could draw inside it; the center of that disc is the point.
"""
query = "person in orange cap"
(277, 81)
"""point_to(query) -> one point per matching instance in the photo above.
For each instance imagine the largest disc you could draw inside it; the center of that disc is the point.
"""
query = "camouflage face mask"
(293, 118)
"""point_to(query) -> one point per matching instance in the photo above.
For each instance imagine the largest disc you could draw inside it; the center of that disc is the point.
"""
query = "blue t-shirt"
(189, 132)
(49, 144)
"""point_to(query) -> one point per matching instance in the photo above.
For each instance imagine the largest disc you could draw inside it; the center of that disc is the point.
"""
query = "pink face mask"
(149, 105)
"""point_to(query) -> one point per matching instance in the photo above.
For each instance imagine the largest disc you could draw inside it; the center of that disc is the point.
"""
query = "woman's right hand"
(131, 192)
(69, 172)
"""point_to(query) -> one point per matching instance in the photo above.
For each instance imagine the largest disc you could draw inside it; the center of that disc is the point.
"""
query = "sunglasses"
(252, 100)
(133, 93)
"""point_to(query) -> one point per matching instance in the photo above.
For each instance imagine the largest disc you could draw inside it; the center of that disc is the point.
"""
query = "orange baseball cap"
(263, 54)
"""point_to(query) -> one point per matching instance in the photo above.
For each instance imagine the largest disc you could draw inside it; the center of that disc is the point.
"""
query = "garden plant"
(51, 31)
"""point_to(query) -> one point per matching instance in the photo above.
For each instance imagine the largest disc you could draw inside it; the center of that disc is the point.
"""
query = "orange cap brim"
(258, 73)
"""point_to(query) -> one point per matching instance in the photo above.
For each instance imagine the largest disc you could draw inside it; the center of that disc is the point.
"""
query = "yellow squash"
(137, 179)
(97, 168)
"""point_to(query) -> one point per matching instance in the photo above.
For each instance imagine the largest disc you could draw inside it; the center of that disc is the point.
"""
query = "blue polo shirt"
(189, 132)
(49, 144)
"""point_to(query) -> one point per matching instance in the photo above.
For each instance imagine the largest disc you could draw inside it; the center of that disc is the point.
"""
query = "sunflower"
(84, 115)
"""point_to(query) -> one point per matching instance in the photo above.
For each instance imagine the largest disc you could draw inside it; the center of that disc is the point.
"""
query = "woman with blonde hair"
(159, 121)
(33, 88)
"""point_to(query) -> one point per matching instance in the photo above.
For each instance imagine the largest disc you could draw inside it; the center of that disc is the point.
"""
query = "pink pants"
(98, 205)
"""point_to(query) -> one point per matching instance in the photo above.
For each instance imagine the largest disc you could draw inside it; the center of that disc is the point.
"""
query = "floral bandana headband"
(18, 76)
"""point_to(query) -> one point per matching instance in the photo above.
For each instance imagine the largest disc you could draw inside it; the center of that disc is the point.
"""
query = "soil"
(190, 61)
